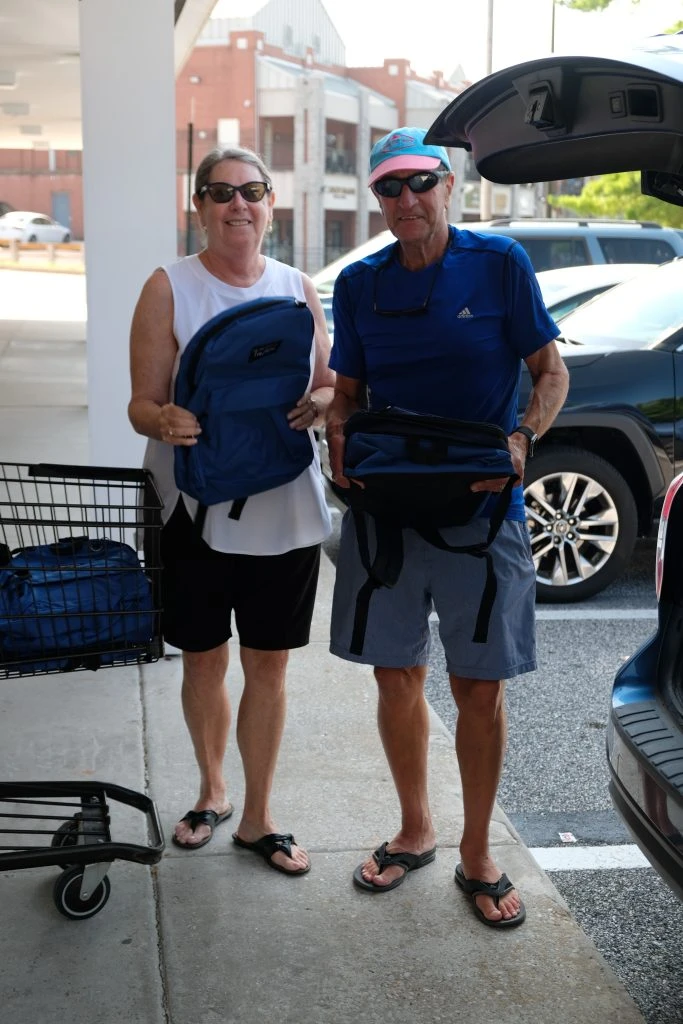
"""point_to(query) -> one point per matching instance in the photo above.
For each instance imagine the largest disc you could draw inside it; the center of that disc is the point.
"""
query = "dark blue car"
(644, 734)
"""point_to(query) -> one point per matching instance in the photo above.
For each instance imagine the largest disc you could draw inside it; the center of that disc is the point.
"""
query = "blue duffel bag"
(75, 603)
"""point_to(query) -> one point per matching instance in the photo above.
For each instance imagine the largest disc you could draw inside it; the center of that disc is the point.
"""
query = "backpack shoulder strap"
(200, 515)
(481, 550)
(383, 571)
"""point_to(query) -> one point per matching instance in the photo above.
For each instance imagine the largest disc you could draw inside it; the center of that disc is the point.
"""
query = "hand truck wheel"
(66, 835)
(67, 895)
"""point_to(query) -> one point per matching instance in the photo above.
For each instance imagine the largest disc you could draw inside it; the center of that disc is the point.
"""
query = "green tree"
(618, 196)
(601, 5)
(587, 5)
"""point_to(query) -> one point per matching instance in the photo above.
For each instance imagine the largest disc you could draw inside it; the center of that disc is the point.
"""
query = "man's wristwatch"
(531, 437)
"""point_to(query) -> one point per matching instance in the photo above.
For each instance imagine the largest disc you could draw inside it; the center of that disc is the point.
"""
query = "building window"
(242, 43)
(393, 69)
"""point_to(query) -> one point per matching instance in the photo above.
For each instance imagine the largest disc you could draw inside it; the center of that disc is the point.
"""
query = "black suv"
(618, 441)
(600, 474)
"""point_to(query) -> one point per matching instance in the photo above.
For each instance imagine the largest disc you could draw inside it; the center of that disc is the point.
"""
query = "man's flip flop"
(195, 818)
(266, 846)
(383, 859)
(474, 887)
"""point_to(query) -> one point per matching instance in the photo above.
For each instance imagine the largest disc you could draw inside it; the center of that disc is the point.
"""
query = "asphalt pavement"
(214, 935)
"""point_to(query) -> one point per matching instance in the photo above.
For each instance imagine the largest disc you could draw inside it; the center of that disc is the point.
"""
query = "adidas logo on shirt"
(465, 314)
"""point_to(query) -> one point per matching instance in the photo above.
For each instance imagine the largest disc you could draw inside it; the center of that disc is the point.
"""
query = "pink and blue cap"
(404, 150)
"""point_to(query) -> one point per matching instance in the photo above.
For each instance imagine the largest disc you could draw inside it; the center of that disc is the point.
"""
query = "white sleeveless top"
(294, 515)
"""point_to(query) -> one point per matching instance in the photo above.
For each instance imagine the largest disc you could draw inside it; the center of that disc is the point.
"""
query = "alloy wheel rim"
(574, 527)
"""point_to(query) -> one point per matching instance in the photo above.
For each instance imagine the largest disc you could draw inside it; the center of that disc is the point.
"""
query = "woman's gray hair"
(216, 156)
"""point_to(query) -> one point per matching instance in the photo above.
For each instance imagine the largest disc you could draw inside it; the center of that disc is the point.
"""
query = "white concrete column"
(309, 171)
(362, 160)
(129, 195)
(316, 174)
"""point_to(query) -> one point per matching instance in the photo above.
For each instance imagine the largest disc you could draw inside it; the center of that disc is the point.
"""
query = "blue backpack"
(240, 374)
(415, 473)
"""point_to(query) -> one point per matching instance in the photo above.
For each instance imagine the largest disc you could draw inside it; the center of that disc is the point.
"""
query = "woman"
(263, 566)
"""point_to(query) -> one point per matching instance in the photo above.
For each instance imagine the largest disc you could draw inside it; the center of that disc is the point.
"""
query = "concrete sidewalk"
(215, 936)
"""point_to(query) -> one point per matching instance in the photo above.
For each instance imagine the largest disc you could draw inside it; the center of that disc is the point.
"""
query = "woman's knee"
(205, 668)
(264, 669)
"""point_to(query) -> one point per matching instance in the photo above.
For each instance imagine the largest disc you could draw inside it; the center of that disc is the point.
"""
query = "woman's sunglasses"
(221, 192)
(391, 188)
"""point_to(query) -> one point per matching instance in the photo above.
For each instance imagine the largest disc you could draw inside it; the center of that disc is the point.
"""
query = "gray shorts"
(398, 634)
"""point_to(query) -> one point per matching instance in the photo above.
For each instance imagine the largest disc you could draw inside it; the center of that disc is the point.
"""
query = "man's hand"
(344, 403)
(495, 486)
(517, 443)
(335, 446)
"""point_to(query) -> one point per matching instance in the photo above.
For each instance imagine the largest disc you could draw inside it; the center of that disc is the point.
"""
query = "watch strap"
(531, 436)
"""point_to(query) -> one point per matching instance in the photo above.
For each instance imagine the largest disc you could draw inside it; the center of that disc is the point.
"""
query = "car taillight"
(671, 493)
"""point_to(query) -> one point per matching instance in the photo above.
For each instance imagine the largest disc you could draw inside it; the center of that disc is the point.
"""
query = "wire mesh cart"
(75, 594)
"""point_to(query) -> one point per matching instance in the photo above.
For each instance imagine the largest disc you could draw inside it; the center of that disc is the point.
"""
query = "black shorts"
(272, 596)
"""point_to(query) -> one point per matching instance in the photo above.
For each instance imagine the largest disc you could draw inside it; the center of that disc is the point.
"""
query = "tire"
(66, 835)
(31, 238)
(67, 897)
(558, 483)
(67, 237)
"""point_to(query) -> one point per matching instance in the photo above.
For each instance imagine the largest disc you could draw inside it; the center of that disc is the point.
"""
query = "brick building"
(276, 81)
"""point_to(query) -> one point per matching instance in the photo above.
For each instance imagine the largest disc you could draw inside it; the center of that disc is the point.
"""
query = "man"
(439, 322)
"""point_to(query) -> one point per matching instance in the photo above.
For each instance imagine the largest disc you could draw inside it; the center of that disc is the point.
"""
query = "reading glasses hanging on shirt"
(421, 310)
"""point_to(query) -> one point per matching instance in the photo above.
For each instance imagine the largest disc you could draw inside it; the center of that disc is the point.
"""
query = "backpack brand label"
(259, 351)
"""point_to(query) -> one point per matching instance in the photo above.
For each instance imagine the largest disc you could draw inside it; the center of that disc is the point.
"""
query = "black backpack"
(416, 471)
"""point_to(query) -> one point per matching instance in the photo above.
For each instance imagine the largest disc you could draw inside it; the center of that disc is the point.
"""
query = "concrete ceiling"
(40, 89)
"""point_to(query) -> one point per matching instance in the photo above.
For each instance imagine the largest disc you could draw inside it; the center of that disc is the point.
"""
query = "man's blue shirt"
(463, 357)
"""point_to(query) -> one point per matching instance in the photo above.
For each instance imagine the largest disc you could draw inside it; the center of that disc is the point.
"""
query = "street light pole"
(485, 186)
(552, 28)
(188, 200)
(190, 189)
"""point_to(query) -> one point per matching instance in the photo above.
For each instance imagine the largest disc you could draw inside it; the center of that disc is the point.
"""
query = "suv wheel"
(583, 523)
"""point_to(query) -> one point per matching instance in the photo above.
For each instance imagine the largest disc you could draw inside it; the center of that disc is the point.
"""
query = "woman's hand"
(178, 425)
(304, 414)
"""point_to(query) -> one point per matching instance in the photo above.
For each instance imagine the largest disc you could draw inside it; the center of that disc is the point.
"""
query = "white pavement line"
(597, 613)
(604, 614)
(588, 858)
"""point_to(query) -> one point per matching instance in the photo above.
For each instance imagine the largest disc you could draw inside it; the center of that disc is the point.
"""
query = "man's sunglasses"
(391, 188)
(221, 192)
